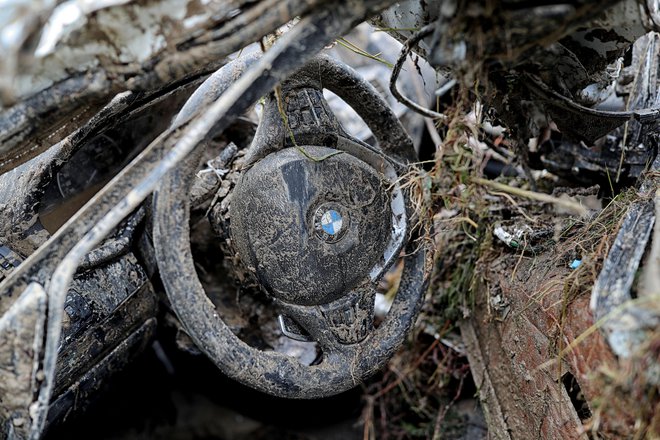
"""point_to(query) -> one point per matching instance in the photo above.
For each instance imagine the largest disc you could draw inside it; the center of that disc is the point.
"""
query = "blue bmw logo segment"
(331, 222)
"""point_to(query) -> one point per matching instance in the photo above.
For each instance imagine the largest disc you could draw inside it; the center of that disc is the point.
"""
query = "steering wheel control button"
(311, 223)
(330, 223)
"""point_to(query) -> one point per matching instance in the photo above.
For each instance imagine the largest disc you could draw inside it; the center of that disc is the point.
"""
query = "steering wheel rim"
(342, 367)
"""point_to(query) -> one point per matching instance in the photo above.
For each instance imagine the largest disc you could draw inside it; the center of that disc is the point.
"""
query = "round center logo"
(330, 223)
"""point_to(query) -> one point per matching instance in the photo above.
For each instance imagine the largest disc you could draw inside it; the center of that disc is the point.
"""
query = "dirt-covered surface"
(507, 345)
(507, 322)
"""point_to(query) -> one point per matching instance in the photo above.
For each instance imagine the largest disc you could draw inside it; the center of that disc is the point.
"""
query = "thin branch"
(574, 207)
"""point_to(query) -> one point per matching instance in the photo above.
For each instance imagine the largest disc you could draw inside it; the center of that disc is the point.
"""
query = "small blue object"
(575, 264)
(331, 222)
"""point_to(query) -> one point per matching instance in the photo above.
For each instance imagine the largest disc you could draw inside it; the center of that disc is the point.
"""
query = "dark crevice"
(577, 398)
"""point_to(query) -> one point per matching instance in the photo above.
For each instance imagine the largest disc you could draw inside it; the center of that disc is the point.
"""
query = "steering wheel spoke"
(315, 325)
(351, 318)
(346, 321)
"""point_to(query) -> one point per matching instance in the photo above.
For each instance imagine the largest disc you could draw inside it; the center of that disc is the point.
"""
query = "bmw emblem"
(330, 222)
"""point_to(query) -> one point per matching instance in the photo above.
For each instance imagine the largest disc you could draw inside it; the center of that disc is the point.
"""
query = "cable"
(396, 70)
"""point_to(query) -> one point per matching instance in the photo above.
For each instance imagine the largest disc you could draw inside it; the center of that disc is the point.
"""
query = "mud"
(528, 307)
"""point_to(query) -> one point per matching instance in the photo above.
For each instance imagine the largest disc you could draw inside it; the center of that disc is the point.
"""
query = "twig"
(522, 253)
(443, 412)
(517, 206)
(467, 220)
(394, 29)
(358, 50)
(413, 367)
(576, 208)
(367, 429)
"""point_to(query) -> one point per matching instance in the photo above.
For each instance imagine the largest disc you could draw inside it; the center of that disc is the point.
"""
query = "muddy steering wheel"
(318, 217)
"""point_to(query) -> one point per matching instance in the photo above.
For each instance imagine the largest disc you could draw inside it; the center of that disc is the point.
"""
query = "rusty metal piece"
(527, 387)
